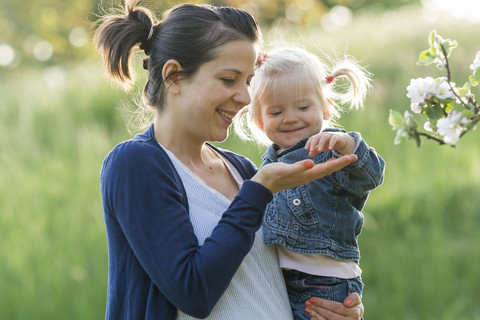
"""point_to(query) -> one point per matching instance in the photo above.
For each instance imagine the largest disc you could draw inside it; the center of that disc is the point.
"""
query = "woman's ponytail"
(117, 37)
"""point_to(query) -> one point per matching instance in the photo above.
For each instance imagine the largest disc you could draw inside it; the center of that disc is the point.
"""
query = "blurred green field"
(420, 244)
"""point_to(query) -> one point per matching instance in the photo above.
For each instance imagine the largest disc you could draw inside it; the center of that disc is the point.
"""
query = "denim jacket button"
(297, 202)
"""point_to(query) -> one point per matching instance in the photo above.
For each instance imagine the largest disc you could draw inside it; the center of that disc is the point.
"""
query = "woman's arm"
(321, 309)
(280, 176)
(154, 230)
(140, 193)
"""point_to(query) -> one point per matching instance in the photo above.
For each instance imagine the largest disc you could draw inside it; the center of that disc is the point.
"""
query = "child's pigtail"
(354, 93)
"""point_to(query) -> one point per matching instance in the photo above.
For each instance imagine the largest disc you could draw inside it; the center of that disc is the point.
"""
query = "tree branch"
(447, 66)
(429, 136)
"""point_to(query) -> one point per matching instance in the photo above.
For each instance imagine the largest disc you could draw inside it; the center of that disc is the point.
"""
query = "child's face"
(289, 114)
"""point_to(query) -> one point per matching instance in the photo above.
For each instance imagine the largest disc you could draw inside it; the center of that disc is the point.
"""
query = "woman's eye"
(228, 81)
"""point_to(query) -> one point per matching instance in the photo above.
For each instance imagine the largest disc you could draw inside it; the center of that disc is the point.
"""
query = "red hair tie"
(261, 57)
(329, 79)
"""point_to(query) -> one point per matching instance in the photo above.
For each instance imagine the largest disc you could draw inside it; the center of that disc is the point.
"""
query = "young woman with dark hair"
(183, 217)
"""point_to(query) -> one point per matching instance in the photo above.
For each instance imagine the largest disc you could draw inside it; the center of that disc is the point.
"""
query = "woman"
(183, 217)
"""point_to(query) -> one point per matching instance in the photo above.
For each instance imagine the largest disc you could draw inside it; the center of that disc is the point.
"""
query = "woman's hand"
(321, 309)
(280, 176)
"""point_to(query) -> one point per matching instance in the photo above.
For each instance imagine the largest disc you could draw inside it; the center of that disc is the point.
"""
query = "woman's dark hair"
(187, 33)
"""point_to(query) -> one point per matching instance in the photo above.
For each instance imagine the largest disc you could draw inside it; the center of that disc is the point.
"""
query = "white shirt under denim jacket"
(324, 216)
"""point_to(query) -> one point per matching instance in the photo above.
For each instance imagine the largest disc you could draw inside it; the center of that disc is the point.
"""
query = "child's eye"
(303, 108)
(276, 113)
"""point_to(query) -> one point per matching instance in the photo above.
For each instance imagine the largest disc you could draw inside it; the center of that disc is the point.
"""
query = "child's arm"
(361, 176)
(327, 141)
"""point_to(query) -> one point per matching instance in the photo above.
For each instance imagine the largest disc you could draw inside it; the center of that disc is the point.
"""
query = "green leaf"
(433, 122)
(468, 114)
(398, 137)
(452, 43)
(418, 140)
(426, 57)
(395, 118)
(462, 92)
(434, 112)
(475, 78)
(448, 107)
(431, 37)
(448, 45)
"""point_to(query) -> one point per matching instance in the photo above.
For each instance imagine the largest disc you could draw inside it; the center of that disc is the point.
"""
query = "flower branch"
(447, 67)
(432, 137)
(448, 112)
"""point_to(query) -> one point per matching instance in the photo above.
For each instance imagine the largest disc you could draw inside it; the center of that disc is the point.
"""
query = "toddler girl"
(314, 226)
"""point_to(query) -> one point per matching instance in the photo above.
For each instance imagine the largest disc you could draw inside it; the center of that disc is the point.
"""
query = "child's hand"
(326, 141)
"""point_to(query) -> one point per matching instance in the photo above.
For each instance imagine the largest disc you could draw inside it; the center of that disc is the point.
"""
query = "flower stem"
(447, 66)
(429, 136)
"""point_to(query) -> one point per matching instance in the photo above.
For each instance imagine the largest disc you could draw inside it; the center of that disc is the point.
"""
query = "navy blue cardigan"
(155, 263)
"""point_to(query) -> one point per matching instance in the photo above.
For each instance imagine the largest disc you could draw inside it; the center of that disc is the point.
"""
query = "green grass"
(419, 246)
(52, 249)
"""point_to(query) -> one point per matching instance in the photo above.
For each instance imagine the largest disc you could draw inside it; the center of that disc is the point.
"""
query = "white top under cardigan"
(257, 290)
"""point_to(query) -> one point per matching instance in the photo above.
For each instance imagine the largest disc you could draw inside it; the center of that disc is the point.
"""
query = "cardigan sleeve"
(139, 191)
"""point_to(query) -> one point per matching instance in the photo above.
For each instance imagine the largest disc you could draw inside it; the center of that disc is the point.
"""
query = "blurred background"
(59, 117)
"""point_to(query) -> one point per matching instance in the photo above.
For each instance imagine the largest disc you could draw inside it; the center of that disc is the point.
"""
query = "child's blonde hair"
(309, 73)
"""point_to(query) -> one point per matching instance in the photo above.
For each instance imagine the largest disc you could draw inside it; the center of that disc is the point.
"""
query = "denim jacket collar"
(271, 154)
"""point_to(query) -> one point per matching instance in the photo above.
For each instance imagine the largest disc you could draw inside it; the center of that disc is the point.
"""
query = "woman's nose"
(242, 97)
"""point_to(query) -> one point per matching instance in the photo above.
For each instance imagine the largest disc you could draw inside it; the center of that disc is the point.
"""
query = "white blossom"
(442, 90)
(421, 90)
(476, 62)
(428, 126)
(451, 127)
(416, 107)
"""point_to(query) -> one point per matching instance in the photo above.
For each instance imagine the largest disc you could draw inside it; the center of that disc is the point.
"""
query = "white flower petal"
(476, 62)
(416, 107)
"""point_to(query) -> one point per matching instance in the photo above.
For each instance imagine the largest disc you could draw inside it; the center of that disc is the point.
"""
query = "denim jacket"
(323, 216)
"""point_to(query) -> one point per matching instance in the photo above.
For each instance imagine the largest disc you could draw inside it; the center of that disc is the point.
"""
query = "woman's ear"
(170, 76)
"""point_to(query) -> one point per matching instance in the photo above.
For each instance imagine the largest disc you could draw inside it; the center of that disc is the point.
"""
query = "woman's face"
(217, 91)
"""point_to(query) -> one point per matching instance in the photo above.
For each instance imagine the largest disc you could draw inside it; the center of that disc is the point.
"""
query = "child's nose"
(290, 116)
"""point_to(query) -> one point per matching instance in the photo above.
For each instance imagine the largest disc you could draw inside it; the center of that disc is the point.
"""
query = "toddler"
(315, 226)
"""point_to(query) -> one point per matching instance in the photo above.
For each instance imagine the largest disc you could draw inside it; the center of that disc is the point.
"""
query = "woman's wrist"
(263, 180)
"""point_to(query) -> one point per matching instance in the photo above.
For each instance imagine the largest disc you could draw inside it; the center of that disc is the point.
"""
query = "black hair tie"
(146, 44)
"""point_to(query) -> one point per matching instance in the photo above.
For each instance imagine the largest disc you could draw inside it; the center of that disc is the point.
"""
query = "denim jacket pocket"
(301, 205)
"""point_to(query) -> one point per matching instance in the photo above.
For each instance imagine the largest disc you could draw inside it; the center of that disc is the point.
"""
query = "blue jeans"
(303, 286)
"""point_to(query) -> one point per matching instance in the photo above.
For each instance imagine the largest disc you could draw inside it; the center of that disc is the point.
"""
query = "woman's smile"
(227, 114)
